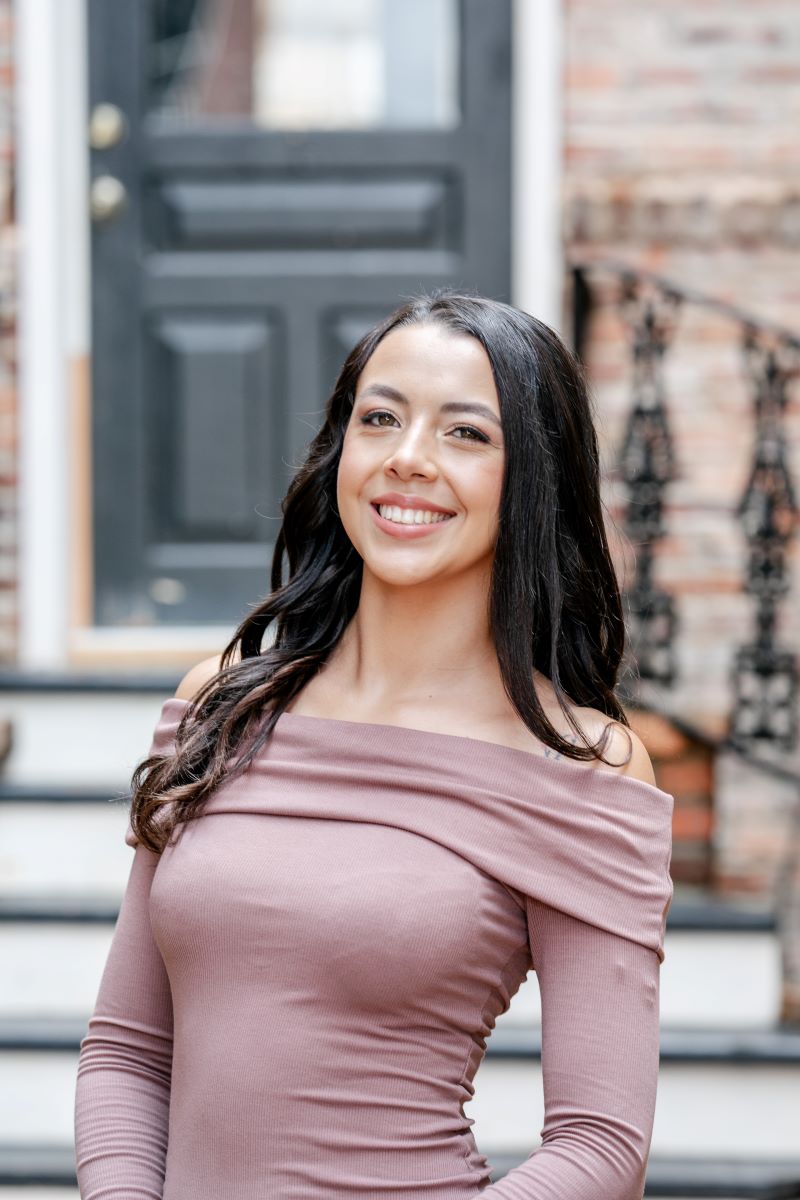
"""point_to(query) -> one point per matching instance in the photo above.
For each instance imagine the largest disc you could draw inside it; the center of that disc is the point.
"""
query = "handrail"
(767, 510)
(624, 270)
(764, 680)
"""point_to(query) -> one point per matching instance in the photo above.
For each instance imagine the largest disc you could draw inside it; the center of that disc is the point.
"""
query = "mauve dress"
(299, 992)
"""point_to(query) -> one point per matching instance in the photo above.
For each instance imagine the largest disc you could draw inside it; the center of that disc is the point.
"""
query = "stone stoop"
(729, 1091)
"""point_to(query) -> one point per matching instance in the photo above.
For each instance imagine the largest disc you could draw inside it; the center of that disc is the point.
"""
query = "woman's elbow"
(612, 1153)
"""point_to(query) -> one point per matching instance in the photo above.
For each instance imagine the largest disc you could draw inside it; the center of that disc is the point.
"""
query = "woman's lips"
(409, 501)
(406, 531)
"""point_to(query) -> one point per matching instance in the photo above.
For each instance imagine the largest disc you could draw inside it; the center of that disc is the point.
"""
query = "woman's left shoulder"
(624, 749)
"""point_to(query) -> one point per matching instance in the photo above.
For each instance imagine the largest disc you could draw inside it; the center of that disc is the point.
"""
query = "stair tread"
(31, 793)
(17, 681)
(58, 908)
(724, 1178)
(697, 908)
(54, 1164)
(773, 1046)
(684, 915)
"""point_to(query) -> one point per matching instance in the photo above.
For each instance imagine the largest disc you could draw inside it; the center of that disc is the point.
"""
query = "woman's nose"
(413, 454)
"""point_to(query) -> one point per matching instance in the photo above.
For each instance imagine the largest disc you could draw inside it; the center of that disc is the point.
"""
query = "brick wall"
(681, 156)
(8, 394)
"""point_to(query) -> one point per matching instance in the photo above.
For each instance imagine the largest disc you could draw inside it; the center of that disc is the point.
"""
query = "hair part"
(554, 603)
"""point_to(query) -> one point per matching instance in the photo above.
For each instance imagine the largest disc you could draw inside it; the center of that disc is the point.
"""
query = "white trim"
(43, 426)
(139, 649)
(537, 147)
(54, 283)
(73, 125)
(119, 640)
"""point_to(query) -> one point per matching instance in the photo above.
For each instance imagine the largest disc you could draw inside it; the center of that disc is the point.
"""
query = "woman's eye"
(373, 418)
(471, 434)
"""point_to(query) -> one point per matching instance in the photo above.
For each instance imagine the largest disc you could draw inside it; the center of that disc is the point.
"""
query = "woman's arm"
(124, 1076)
(124, 1069)
(600, 1049)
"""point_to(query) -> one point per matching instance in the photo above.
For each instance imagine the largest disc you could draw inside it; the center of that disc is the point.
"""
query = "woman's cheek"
(348, 487)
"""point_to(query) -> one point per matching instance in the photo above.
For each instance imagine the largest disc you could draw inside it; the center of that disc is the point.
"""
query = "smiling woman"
(407, 433)
(354, 842)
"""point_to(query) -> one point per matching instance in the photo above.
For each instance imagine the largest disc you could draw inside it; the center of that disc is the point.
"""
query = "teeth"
(411, 516)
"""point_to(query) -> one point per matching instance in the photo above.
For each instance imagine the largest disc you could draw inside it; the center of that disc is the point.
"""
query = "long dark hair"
(555, 604)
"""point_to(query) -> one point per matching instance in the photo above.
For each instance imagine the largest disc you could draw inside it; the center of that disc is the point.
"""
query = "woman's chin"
(395, 575)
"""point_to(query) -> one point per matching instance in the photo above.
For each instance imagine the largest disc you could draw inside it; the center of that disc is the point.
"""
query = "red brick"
(694, 823)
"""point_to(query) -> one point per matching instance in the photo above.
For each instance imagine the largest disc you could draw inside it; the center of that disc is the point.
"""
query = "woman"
(295, 1007)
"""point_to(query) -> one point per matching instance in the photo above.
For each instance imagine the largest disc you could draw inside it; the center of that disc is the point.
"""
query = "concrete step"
(12, 1192)
(54, 944)
(63, 846)
(724, 1179)
(43, 1172)
(78, 731)
(63, 813)
(717, 1093)
(730, 1088)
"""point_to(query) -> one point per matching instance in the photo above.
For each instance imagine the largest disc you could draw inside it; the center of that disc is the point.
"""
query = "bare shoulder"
(624, 749)
(622, 742)
(198, 675)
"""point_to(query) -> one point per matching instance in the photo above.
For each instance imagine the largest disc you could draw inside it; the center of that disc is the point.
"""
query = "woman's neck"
(415, 645)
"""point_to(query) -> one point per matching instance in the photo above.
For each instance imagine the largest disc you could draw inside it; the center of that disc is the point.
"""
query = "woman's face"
(424, 444)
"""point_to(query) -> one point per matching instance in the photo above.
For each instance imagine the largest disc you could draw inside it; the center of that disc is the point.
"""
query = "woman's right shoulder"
(198, 675)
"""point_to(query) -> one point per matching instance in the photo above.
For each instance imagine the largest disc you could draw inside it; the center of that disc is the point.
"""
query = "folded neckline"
(408, 734)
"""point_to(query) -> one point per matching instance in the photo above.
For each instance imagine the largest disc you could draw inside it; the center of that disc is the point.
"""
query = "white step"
(769, 1180)
(78, 737)
(68, 848)
(720, 979)
(60, 1193)
(39, 1193)
(51, 970)
(709, 979)
(713, 979)
(704, 1109)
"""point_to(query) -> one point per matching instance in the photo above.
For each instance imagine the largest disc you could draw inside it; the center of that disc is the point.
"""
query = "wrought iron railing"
(761, 724)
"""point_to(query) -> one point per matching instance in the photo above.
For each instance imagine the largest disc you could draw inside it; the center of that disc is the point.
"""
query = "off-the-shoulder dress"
(299, 991)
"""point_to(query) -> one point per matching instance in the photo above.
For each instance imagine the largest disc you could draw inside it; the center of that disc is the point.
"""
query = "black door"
(269, 177)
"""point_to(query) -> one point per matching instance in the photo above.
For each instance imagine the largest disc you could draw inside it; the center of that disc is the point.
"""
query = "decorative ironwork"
(763, 710)
(765, 677)
(647, 465)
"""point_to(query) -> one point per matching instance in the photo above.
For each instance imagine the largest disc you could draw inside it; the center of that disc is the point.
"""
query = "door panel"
(318, 212)
(220, 439)
(248, 259)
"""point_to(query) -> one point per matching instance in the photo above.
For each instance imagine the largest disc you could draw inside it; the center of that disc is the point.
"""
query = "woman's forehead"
(430, 358)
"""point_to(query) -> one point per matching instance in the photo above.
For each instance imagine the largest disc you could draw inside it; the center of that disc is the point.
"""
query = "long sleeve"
(600, 1051)
(124, 1068)
(334, 926)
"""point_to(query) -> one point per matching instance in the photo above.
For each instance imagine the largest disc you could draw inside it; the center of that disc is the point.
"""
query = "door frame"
(53, 272)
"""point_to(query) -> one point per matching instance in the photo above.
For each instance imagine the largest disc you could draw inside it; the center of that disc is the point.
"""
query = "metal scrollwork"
(765, 676)
(647, 465)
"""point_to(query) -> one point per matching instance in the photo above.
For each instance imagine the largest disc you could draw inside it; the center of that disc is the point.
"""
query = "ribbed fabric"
(299, 992)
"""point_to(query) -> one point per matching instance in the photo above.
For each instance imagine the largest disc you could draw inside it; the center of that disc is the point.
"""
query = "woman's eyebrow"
(467, 406)
(470, 406)
(383, 389)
